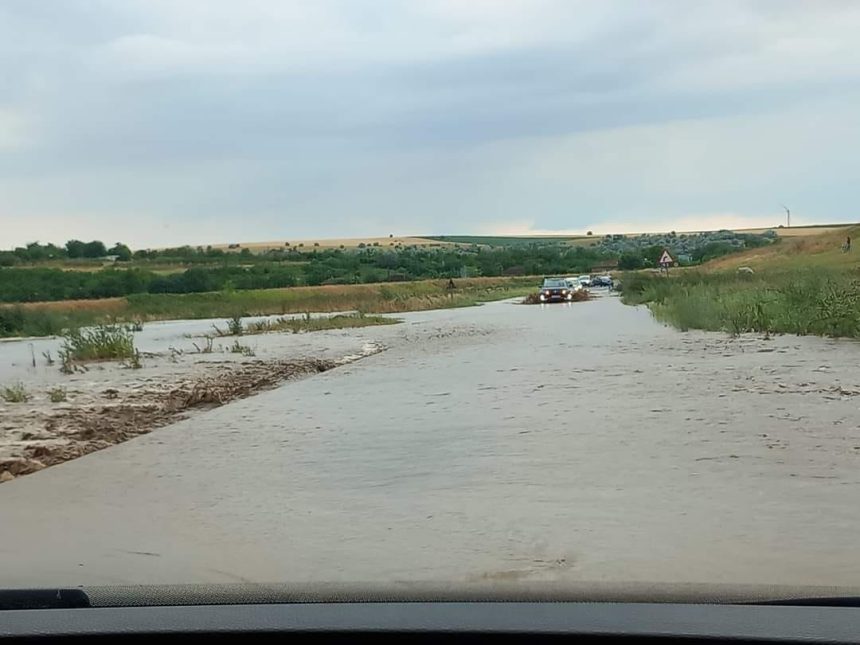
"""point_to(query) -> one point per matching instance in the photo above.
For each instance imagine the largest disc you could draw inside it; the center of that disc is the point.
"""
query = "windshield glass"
(282, 294)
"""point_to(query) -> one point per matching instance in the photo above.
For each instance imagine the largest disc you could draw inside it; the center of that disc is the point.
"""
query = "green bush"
(11, 320)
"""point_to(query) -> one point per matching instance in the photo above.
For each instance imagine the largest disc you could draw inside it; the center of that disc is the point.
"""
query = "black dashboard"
(451, 621)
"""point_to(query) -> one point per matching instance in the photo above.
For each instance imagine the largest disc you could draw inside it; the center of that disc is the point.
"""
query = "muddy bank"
(66, 416)
(56, 436)
(45, 437)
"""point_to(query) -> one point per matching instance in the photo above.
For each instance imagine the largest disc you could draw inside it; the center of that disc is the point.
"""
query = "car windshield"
(283, 293)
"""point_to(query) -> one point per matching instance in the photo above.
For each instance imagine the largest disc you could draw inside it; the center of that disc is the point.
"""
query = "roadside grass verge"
(370, 298)
(808, 300)
(47, 319)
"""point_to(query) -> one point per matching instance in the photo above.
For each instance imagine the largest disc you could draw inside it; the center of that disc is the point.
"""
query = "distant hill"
(816, 247)
(333, 243)
(506, 240)
(499, 240)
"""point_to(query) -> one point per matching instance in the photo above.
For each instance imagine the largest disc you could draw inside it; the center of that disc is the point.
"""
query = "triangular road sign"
(666, 258)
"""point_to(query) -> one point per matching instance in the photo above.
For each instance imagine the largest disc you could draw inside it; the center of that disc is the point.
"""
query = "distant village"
(686, 248)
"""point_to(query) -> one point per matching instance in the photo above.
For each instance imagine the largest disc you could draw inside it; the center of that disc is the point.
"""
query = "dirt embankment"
(116, 415)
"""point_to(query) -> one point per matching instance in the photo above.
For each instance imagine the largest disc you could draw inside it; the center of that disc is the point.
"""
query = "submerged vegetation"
(307, 323)
(244, 350)
(58, 395)
(15, 393)
(104, 342)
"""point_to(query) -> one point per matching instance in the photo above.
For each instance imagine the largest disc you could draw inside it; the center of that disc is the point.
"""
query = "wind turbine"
(787, 216)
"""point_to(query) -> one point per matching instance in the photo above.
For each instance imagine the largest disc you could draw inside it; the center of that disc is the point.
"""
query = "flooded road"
(503, 442)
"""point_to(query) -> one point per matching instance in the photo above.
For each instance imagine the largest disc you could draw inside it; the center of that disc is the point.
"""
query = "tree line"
(201, 269)
(71, 250)
(329, 266)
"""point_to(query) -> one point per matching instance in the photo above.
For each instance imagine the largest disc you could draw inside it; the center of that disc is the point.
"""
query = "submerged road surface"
(503, 442)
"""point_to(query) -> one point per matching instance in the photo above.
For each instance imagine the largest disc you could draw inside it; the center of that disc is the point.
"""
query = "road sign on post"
(666, 261)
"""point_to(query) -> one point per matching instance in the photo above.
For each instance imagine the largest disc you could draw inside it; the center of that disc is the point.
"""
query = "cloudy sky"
(159, 122)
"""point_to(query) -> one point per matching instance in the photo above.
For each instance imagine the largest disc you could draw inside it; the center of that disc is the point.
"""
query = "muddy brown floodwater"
(499, 443)
(104, 403)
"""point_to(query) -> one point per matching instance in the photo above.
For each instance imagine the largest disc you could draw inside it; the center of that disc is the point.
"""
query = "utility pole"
(787, 216)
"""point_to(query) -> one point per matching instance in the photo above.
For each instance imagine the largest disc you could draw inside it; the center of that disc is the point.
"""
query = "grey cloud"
(134, 107)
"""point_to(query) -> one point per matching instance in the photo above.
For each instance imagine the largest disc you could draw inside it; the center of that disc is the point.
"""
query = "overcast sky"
(160, 122)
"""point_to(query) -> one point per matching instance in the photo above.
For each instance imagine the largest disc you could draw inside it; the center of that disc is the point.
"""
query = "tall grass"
(823, 302)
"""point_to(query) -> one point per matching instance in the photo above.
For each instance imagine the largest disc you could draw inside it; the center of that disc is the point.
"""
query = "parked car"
(573, 283)
(555, 290)
(585, 280)
(602, 281)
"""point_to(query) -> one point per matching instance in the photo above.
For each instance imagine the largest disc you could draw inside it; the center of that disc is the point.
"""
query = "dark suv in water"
(555, 290)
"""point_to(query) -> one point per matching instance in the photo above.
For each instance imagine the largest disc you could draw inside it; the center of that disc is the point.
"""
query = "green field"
(372, 298)
(518, 240)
